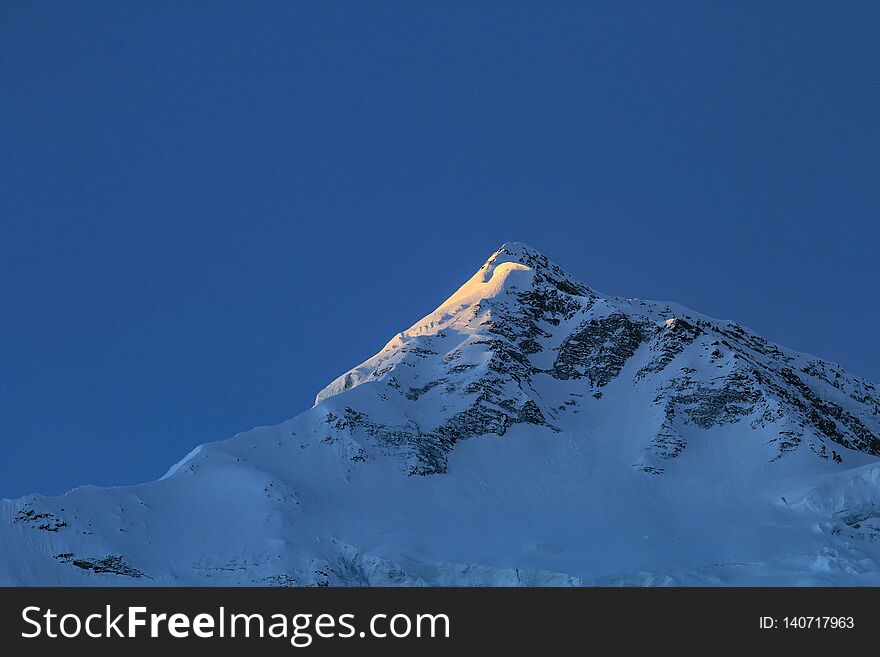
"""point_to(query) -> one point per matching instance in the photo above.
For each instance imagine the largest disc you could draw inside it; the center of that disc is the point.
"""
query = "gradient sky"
(210, 210)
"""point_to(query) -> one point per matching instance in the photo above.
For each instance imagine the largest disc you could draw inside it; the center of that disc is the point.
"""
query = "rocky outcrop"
(599, 348)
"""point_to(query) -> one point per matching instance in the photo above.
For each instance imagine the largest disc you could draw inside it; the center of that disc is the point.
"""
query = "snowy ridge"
(530, 431)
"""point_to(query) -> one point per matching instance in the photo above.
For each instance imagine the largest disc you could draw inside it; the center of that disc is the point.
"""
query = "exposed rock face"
(111, 564)
(672, 339)
(599, 348)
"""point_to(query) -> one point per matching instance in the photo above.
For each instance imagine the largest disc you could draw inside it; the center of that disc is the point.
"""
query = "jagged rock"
(110, 565)
(599, 348)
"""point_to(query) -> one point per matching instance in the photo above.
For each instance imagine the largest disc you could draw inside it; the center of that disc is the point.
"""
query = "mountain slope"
(529, 431)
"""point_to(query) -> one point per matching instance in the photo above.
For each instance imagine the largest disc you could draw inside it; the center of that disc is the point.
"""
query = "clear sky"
(210, 210)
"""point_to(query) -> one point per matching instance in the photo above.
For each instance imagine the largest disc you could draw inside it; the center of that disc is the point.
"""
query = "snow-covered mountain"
(529, 431)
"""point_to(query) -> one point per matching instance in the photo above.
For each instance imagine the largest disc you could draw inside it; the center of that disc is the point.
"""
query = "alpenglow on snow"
(530, 431)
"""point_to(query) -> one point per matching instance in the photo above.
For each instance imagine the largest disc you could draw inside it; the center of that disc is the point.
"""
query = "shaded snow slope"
(530, 431)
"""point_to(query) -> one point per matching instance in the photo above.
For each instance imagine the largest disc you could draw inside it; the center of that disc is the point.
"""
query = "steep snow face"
(529, 431)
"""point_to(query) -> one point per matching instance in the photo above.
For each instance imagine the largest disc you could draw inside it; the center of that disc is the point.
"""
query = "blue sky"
(210, 210)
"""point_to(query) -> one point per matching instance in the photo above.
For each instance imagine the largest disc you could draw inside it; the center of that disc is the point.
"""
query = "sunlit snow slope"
(530, 431)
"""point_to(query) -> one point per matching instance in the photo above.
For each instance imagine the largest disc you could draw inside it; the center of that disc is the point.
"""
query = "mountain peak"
(545, 270)
(516, 251)
(515, 266)
(515, 272)
(521, 334)
(519, 253)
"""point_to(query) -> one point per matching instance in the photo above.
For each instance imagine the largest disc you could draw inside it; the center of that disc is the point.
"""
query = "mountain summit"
(522, 341)
(528, 431)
